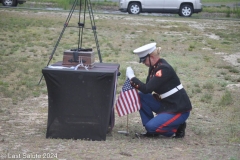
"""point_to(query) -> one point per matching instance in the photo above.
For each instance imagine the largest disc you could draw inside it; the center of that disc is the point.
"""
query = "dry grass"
(200, 51)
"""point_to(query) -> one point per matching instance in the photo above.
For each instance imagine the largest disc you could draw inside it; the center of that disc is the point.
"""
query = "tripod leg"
(94, 28)
(60, 37)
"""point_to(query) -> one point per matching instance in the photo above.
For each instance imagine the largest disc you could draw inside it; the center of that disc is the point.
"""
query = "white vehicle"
(182, 7)
(12, 3)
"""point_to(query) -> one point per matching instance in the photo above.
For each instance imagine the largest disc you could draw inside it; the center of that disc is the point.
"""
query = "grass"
(228, 11)
(67, 4)
(28, 38)
(226, 99)
(221, 6)
(218, 1)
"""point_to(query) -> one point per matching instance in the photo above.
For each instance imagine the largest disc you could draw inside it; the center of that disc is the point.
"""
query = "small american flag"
(128, 100)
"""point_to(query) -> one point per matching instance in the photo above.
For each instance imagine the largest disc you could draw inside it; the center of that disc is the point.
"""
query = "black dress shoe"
(147, 134)
(180, 131)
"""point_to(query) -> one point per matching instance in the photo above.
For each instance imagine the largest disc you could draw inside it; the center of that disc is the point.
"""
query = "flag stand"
(125, 132)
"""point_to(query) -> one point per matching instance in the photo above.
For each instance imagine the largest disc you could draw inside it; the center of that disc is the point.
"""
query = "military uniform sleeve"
(157, 78)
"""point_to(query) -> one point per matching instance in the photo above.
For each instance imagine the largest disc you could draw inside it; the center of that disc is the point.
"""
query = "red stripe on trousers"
(159, 129)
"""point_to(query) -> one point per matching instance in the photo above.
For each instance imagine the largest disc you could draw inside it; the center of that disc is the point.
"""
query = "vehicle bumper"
(197, 10)
(123, 9)
(21, 1)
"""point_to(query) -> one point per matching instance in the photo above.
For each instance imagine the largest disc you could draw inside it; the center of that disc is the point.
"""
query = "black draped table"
(81, 102)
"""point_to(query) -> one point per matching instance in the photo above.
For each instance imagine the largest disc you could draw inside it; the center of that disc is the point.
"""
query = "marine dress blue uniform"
(164, 95)
(171, 111)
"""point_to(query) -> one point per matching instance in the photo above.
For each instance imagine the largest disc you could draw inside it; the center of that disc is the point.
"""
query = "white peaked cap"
(145, 50)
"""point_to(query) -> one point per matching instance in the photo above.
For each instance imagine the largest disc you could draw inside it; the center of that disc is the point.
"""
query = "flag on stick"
(128, 100)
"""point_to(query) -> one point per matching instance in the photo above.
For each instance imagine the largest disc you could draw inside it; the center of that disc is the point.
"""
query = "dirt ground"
(23, 129)
(23, 126)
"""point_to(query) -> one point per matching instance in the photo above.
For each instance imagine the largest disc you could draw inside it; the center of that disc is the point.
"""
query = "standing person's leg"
(148, 106)
(166, 124)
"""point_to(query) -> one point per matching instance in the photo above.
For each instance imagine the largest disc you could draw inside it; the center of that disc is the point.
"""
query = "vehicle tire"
(134, 8)
(186, 10)
(10, 3)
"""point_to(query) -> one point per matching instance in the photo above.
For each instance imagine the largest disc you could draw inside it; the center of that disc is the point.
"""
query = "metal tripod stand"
(87, 5)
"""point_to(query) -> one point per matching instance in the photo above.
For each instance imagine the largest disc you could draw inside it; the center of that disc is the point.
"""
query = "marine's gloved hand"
(130, 73)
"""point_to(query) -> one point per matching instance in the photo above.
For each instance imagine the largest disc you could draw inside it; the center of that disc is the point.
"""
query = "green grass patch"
(219, 1)
(226, 99)
(68, 4)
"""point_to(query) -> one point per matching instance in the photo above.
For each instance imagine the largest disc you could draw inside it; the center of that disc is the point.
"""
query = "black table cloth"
(81, 102)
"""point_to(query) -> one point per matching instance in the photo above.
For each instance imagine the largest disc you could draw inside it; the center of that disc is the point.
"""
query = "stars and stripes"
(128, 100)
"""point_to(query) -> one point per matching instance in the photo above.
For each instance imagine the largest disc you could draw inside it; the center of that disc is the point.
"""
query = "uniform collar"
(156, 64)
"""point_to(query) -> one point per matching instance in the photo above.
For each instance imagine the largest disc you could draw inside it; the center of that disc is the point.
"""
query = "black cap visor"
(142, 59)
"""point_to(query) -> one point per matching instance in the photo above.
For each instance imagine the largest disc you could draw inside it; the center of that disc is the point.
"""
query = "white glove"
(130, 73)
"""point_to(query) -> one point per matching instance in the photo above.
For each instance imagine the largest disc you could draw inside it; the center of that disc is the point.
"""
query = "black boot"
(181, 131)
